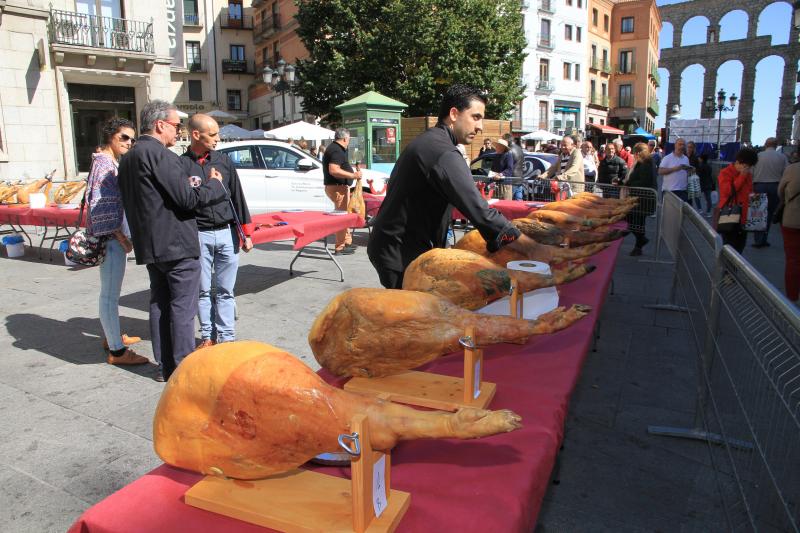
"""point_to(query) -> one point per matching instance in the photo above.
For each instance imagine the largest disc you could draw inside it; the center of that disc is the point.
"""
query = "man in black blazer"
(160, 203)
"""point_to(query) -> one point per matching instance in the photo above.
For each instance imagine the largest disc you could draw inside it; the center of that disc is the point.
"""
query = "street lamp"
(719, 107)
(675, 112)
(281, 79)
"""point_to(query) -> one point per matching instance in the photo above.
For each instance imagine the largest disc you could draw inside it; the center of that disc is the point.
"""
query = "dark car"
(533, 161)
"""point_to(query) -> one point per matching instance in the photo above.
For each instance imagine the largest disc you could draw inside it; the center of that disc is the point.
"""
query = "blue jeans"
(518, 192)
(771, 190)
(218, 266)
(112, 270)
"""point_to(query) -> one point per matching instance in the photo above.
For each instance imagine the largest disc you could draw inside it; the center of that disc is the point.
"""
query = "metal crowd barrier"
(747, 339)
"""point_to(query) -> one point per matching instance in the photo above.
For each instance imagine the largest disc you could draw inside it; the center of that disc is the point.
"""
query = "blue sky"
(775, 21)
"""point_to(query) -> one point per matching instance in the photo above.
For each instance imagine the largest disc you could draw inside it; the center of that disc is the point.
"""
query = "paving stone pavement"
(74, 429)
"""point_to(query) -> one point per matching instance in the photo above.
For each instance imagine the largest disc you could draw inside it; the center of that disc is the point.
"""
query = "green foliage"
(410, 50)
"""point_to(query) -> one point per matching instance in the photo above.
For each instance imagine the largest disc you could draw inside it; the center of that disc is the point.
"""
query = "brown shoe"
(126, 340)
(205, 344)
(128, 358)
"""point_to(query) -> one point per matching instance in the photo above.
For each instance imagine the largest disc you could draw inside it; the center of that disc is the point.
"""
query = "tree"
(410, 50)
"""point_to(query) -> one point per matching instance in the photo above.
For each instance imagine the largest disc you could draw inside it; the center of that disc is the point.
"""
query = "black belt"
(216, 228)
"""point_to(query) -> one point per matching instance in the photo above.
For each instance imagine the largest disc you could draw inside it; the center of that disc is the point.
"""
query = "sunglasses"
(125, 138)
(176, 125)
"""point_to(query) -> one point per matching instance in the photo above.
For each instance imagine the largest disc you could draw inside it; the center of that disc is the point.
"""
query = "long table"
(495, 483)
(510, 209)
(304, 227)
(64, 221)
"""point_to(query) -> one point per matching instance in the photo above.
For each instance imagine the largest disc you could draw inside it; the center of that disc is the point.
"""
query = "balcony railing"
(257, 3)
(191, 19)
(544, 85)
(196, 65)
(655, 75)
(238, 22)
(268, 24)
(545, 40)
(594, 64)
(68, 27)
(623, 68)
(605, 66)
(237, 66)
(625, 102)
(653, 107)
(546, 6)
(599, 99)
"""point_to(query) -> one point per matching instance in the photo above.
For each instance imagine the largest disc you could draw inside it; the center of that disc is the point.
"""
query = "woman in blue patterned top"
(107, 219)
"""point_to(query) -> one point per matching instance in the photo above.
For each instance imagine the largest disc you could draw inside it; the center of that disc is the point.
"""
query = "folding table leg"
(327, 251)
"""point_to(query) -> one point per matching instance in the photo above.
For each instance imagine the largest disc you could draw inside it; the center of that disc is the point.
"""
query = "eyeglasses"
(125, 138)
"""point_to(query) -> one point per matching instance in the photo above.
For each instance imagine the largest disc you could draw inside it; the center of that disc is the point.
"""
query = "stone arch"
(781, 12)
(729, 78)
(692, 76)
(662, 93)
(727, 25)
(666, 35)
(767, 96)
(694, 31)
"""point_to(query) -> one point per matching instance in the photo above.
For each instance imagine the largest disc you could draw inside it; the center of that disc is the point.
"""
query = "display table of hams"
(248, 414)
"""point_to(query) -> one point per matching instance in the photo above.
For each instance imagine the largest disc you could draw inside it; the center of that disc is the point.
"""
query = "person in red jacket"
(735, 185)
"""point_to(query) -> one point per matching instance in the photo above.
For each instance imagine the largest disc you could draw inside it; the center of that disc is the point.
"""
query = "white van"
(276, 176)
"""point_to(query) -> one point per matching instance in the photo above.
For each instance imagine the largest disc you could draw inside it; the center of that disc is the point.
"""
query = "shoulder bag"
(83, 248)
(730, 216)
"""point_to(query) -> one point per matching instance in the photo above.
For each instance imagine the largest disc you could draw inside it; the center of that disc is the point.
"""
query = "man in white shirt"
(674, 170)
(766, 175)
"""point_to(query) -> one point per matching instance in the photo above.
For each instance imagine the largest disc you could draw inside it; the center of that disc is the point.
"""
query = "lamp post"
(280, 79)
(719, 107)
(675, 112)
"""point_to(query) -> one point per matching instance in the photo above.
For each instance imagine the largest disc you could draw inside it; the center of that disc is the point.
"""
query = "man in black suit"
(160, 203)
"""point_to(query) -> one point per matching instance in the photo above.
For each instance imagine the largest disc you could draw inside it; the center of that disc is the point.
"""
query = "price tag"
(476, 386)
(379, 502)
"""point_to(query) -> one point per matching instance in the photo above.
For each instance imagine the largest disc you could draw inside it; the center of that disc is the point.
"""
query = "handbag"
(83, 248)
(693, 186)
(730, 216)
(777, 217)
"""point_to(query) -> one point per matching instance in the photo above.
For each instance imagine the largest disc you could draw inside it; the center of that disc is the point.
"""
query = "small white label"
(379, 486)
(476, 386)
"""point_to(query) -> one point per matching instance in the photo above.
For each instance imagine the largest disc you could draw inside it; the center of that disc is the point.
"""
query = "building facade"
(635, 27)
(599, 61)
(275, 39)
(218, 55)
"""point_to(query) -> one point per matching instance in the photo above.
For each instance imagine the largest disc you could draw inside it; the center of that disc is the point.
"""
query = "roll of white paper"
(536, 267)
(38, 200)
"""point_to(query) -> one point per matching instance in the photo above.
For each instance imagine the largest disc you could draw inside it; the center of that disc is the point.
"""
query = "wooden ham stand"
(306, 501)
(437, 391)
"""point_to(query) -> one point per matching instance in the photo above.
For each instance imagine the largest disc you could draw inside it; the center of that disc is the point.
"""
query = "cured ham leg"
(472, 281)
(44, 184)
(546, 233)
(576, 209)
(473, 241)
(380, 332)
(356, 204)
(569, 221)
(248, 410)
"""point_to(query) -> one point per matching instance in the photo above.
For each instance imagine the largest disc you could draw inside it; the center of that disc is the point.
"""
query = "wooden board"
(423, 389)
(297, 501)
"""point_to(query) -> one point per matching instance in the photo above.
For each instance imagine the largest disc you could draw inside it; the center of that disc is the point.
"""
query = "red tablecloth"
(495, 483)
(305, 226)
(46, 216)
(510, 209)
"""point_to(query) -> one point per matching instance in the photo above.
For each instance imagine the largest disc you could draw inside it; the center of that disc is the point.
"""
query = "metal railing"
(544, 84)
(238, 22)
(196, 65)
(191, 19)
(268, 24)
(625, 68)
(546, 6)
(67, 27)
(237, 66)
(599, 99)
(545, 40)
(747, 339)
(655, 75)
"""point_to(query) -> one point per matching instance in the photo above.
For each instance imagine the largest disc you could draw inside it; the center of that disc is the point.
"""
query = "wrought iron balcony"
(653, 107)
(625, 68)
(625, 102)
(239, 22)
(655, 75)
(606, 66)
(267, 26)
(192, 19)
(546, 6)
(545, 40)
(237, 66)
(68, 27)
(594, 64)
(196, 65)
(599, 100)
(544, 85)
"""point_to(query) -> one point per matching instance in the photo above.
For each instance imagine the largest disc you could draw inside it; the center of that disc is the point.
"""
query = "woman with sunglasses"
(107, 219)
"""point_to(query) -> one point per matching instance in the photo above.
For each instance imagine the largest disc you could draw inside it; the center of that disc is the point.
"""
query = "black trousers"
(737, 239)
(174, 293)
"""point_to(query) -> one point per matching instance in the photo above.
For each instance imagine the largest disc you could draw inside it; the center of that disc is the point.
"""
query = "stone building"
(599, 62)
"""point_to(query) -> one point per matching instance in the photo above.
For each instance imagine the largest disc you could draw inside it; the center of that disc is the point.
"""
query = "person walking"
(766, 176)
(218, 228)
(643, 174)
(789, 194)
(611, 171)
(693, 189)
(735, 186)
(160, 202)
(503, 168)
(707, 184)
(518, 169)
(674, 168)
(338, 177)
(106, 218)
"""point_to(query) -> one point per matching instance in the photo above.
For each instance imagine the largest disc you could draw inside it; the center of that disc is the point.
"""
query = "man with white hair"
(623, 153)
(569, 167)
(766, 176)
(338, 177)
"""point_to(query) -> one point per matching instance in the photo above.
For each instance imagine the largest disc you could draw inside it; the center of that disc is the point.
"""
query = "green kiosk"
(374, 124)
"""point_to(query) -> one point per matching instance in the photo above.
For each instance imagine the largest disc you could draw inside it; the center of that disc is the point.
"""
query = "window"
(577, 72)
(242, 157)
(264, 56)
(591, 120)
(627, 25)
(602, 122)
(626, 62)
(544, 119)
(595, 16)
(580, 4)
(578, 33)
(625, 96)
(384, 141)
(237, 52)
(195, 88)
(235, 100)
(569, 2)
(190, 12)
(593, 87)
(279, 158)
(605, 22)
(594, 56)
(604, 89)
(193, 55)
(568, 32)
(276, 52)
(567, 71)
(544, 69)
(235, 10)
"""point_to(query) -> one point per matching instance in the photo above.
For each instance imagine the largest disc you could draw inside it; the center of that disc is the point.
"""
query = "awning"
(606, 130)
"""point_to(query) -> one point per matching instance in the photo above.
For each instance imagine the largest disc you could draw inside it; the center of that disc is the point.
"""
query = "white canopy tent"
(232, 132)
(539, 135)
(218, 114)
(302, 130)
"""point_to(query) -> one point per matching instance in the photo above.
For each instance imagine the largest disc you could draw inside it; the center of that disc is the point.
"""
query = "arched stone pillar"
(709, 89)
(677, 31)
(712, 33)
(752, 24)
(673, 90)
(784, 127)
(746, 100)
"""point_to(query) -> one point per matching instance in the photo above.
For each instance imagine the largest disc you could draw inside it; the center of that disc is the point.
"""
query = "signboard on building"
(174, 10)
(194, 107)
